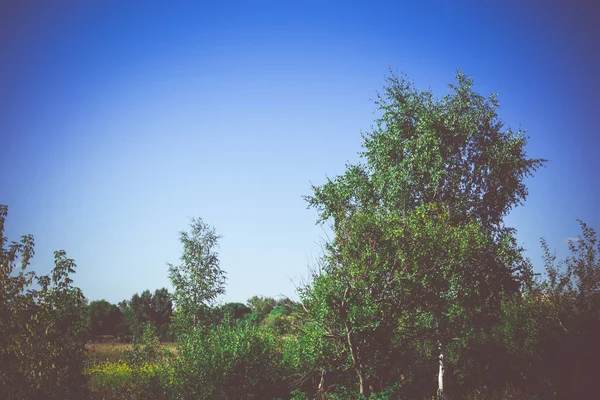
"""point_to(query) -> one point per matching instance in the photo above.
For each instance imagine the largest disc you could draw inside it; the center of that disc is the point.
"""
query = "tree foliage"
(148, 308)
(43, 330)
(199, 279)
(234, 311)
(418, 226)
(230, 362)
(104, 318)
(571, 316)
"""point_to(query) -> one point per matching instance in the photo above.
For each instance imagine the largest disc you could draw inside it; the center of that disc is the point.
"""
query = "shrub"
(230, 362)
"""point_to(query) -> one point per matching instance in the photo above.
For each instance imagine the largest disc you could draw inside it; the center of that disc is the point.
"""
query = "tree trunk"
(322, 388)
(442, 369)
(354, 351)
(356, 362)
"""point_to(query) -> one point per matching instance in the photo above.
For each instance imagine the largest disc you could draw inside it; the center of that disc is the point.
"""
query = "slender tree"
(199, 279)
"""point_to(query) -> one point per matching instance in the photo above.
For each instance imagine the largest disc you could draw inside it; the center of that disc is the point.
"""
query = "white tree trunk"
(441, 372)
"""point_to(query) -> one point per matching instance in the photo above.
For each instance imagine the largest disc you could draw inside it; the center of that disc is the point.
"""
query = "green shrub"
(230, 362)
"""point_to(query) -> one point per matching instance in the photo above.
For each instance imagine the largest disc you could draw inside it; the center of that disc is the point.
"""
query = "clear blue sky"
(120, 121)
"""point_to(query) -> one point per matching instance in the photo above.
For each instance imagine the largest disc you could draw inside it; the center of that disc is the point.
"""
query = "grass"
(113, 352)
(110, 377)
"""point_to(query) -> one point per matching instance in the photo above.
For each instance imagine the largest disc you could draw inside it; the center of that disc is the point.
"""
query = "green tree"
(104, 318)
(199, 279)
(234, 311)
(43, 330)
(312, 359)
(279, 319)
(162, 313)
(261, 307)
(154, 308)
(458, 273)
(356, 298)
(447, 159)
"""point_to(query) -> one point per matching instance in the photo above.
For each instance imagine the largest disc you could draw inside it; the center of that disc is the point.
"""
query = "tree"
(458, 273)
(154, 308)
(43, 330)
(199, 279)
(104, 318)
(280, 320)
(444, 173)
(261, 307)
(356, 305)
(162, 313)
(234, 311)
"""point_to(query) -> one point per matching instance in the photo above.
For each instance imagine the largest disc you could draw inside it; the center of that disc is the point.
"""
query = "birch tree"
(198, 280)
(451, 160)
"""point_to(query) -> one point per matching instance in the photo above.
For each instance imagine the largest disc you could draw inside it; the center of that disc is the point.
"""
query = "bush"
(230, 362)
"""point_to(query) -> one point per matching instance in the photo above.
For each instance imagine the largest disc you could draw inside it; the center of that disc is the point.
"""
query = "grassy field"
(111, 377)
(113, 352)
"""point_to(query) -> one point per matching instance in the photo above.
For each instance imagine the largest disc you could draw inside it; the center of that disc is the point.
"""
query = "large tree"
(418, 223)
(199, 279)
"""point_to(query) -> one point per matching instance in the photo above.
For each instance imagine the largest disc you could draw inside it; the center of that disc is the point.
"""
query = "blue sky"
(121, 121)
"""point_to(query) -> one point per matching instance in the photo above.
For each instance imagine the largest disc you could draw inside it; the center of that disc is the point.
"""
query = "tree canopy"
(418, 223)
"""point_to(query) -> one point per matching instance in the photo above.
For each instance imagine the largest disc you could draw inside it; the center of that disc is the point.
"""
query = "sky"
(122, 120)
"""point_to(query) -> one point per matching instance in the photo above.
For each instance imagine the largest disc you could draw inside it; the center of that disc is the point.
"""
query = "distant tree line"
(130, 317)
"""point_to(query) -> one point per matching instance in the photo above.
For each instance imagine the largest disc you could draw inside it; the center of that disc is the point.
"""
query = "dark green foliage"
(309, 354)
(154, 308)
(230, 362)
(544, 344)
(234, 311)
(105, 318)
(43, 330)
(279, 320)
(571, 317)
(261, 306)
